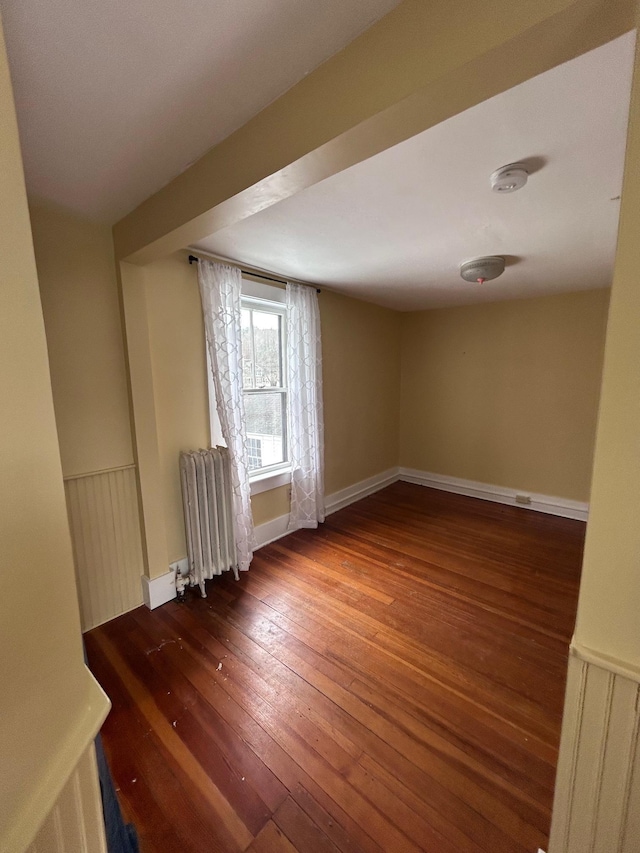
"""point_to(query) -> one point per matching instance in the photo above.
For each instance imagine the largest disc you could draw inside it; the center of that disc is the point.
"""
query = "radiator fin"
(205, 476)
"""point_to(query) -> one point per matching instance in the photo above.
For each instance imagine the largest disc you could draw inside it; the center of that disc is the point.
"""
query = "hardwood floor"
(391, 682)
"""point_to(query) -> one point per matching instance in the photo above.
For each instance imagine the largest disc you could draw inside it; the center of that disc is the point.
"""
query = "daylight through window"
(264, 383)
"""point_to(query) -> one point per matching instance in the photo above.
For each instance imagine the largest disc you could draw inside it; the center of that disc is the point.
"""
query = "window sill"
(270, 480)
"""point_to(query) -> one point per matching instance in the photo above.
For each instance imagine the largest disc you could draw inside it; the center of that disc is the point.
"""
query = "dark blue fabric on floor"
(121, 837)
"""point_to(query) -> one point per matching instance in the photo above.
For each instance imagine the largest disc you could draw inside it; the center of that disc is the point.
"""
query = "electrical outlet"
(181, 566)
(525, 500)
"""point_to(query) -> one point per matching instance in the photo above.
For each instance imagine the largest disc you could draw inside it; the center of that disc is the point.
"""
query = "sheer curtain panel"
(220, 290)
(306, 424)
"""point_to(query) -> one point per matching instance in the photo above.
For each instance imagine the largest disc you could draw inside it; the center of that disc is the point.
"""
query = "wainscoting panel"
(107, 547)
(75, 823)
(597, 799)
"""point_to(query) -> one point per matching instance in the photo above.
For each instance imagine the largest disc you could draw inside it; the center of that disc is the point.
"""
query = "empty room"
(321, 480)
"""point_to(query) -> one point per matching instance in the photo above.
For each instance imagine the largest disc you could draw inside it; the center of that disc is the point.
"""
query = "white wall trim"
(20, 827)
(499, 494)
(271, 530)
(620, 667)
(278, 527)
(273, 480)
(338, 500)
(160, 590)
(157, 591)
(128, 467)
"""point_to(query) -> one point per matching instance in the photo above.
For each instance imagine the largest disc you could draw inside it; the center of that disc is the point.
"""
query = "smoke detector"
(482, 269)
(509, 178)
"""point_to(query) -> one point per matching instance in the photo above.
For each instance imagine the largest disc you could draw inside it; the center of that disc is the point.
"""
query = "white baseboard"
(271, 530)
(162, 589)
(498, 494)
(338, 500)
(278, 527)
(157, 591)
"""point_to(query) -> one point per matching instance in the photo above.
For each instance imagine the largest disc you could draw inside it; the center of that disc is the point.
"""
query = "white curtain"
(306, 424)
(220, 290)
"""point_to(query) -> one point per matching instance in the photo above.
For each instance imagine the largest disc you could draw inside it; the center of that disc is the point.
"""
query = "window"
(264, 383)
(264, 363)
(255, 453)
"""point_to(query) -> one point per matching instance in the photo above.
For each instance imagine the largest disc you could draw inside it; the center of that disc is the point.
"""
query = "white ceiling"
(115, 98)
(395, 228)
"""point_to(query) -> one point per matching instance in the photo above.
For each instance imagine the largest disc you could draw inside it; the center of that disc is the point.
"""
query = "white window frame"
(258, 295)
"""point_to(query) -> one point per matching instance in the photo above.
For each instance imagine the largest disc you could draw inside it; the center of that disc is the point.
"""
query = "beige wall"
(269, 505)
(78, 288)
(178, 363)
(361, 349)
(51, 707)
(505, 393)
(361, 366)
(609, 606)
(79, 293)
(133, 291)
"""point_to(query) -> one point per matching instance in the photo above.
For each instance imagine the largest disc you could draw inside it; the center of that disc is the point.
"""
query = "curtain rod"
(193, 259)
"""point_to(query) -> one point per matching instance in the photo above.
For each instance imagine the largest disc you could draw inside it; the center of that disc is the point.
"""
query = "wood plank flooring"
(391, 682)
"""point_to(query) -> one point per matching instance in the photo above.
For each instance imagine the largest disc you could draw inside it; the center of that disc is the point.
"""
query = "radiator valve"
(182, 582)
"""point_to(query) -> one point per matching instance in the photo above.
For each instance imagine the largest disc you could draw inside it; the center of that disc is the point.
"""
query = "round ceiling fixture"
(483, 269)
(509, 178)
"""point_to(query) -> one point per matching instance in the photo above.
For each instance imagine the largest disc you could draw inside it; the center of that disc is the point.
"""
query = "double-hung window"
(264, 379)
(264, 385)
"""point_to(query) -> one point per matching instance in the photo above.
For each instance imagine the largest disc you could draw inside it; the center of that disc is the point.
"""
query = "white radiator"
(208, 519)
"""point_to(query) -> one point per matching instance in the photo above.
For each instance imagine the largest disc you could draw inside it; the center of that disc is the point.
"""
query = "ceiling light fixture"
(483, 269)
(509, 178)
